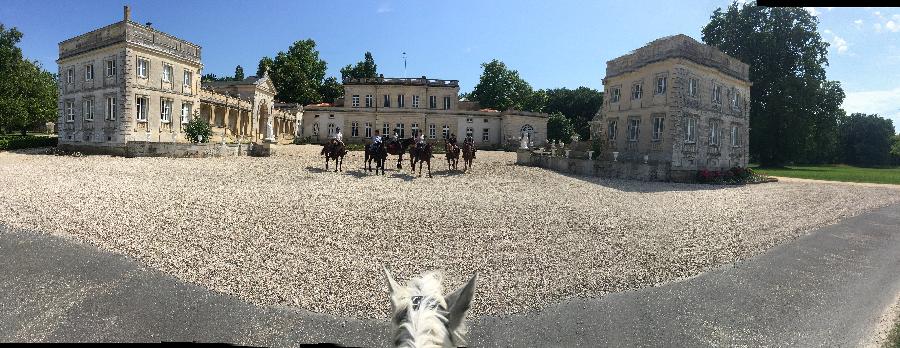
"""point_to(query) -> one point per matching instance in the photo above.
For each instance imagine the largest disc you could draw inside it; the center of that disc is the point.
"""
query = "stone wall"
(155, 149)
(650, 171)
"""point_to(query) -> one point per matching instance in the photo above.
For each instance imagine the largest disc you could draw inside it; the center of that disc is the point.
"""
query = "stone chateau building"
(130, 83)
(673, 107)
(407, 105)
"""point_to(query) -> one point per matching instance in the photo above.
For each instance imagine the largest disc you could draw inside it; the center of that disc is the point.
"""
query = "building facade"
(410, 105)
(128, 82)
(677, 103)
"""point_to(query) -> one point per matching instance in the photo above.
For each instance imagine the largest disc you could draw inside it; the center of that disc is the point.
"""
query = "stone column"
(212, 115)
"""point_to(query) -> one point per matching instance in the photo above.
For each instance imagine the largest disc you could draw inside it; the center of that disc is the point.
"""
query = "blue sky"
(550, 43)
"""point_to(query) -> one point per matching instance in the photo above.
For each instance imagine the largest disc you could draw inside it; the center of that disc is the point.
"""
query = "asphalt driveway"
(828, 288)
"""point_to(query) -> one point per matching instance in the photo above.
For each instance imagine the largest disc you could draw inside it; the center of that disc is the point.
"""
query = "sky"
(550, 43)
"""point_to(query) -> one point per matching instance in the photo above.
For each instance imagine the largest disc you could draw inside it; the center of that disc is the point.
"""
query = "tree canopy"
(867, 139)
(578, 105)
(501, 88)
(559, 127)
(298, 73)
(787, 57)
(239, 73)
(28, 93)
(265, 63)
(364, 69)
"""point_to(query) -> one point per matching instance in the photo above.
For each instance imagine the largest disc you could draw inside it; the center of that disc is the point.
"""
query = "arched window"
(331, 129)
(528, 129)
(315, 129)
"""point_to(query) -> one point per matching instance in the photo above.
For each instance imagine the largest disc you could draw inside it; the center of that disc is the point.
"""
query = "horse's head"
(423, 316)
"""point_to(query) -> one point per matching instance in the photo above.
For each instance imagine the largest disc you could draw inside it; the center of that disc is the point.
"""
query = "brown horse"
(399, 147)
(336, 151)
(422, 155)
(468, 154)
(452, 151)
(378, 153)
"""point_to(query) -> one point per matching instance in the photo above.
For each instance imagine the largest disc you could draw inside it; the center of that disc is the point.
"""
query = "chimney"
(127, 13)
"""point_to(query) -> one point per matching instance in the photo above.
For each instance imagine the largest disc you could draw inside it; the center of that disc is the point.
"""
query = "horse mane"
(424, 327)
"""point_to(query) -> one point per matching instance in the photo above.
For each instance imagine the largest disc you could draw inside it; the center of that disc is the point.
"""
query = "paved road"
(826, 289)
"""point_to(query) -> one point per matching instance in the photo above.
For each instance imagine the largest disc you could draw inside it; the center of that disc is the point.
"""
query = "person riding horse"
(338, 138)
(470, 141)
(420, 141)
(452, 139)
(376, 140)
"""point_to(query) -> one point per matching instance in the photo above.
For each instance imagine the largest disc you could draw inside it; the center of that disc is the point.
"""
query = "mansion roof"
(401, 81)
(678, 46)
(132, 33)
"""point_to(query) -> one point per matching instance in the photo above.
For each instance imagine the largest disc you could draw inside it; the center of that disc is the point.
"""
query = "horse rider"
(376, 140)
(471, 141)
(339, 136)
(420, 141)
(452, 139)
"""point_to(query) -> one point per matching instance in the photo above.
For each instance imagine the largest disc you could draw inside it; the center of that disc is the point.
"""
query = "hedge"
(24, 142)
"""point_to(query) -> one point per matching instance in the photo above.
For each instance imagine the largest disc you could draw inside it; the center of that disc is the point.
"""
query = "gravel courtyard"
(280, 231)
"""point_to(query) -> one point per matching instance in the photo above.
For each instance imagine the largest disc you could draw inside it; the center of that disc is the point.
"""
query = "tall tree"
(787, 57)
(28, 93)
(501, 88)
(331, 90)
(298, 74)
(578, 105)
(238, 73)
(895, 150)
(559, 127)
(823, 144)
(867, 139)
(364, 69)
(265, 63)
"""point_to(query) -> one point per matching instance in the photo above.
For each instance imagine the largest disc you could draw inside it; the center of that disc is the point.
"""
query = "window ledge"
(141, 121)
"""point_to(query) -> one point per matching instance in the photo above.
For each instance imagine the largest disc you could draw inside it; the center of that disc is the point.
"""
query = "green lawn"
(882, 175)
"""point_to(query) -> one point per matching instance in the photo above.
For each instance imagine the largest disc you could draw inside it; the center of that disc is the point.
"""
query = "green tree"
(238, 73)
(28, 94)
(867, 139)
(501, 88)
(298, 74)
(364, 69)
(787, 57)
(331, 90)
(895, 150)
(578, 105)
(265, 64)
(197, 129)
(559, 127)
(823, 145)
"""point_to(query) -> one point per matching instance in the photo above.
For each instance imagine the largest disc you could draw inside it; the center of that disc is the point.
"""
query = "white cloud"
(883, 23)
(838, 43)
(384, 8)
(885, 103)
(858, 23)
(812, 11)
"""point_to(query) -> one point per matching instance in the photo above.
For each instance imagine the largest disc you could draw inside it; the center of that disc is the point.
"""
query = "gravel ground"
(280, 231)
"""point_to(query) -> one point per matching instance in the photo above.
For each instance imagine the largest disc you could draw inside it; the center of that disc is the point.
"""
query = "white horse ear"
(458, 303)
(393, 287)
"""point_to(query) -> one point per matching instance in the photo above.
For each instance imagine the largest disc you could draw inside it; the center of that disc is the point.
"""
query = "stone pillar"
(212, 115)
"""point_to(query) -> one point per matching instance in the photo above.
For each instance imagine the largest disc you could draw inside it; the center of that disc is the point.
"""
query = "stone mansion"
(128, 82)
(675, 106)
(410, 105)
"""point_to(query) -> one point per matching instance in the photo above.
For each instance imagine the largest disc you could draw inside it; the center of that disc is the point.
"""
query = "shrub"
(196, 128)
(733, 176)
(24, 142)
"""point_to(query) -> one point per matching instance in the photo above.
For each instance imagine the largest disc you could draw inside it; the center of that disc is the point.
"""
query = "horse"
(398, 147)
(468, 153)
(335, 151)
(378, 154)
(424, 155)
(423, 316)
(452, 151)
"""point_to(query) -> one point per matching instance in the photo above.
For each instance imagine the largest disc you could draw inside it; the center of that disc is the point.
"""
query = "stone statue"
(523, 142)
(269, 132)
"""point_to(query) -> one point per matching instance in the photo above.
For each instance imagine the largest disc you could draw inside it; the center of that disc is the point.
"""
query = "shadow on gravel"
(404, 176)
(359, 174)
(448, 172)
(640, 186)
